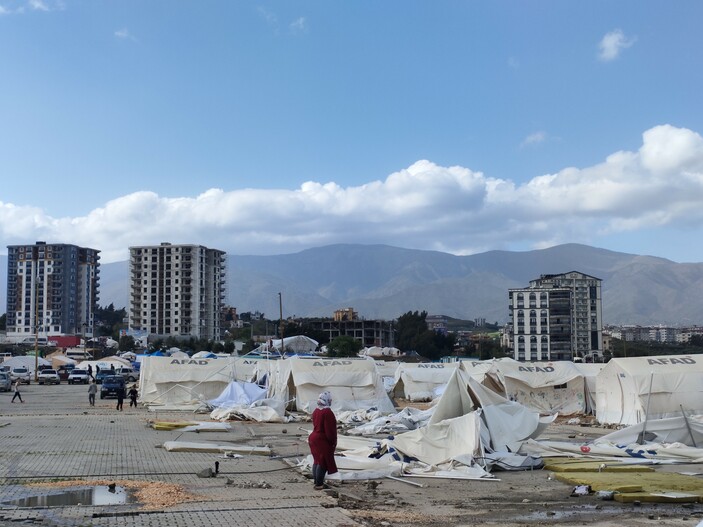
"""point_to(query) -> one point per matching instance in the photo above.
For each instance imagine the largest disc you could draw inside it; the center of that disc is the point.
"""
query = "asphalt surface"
(56, 436)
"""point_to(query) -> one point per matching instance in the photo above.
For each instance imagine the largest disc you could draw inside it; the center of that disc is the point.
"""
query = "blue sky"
(270, 127)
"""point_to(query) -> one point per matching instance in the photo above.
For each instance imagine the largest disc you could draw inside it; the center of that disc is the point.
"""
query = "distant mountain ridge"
(381, 281)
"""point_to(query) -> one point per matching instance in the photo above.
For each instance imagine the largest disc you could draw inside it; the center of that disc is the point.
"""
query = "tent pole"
(640, 439)
(688, 425)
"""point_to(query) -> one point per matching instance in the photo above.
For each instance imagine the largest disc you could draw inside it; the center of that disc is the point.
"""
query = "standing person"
(133, 393)
(120, 397)
(92, 390)
(16, 387)
(90, 371)
(323, 440)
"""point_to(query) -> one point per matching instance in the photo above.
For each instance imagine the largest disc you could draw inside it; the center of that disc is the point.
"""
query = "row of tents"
(624, 391)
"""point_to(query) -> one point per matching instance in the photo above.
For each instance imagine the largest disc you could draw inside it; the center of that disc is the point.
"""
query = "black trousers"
(318, 475)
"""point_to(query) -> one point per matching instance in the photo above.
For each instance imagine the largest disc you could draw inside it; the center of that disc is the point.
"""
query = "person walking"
(92, 390)
(16, 388)
(90, 371)
(133, 394)
(323, 440)
(120, 397)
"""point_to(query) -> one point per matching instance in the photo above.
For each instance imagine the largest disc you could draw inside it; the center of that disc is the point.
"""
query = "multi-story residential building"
(437, 323)
(177, 290)
(558, 317)
(52, 290)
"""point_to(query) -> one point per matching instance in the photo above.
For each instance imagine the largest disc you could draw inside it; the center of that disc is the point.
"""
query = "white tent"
(549, 387)
(296, 344)
(377, 351)
(354, 383)
(419, 381)
(181, 383)
(184, 383)
(27, 361)
(624, 385)
(479, 369)
(590, 371)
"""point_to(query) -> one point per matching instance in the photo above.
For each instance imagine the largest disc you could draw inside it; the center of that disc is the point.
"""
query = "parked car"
(5, 382)
(48, 376)
(128, 374)
(21, 373)
(110, 385)
(78, 376)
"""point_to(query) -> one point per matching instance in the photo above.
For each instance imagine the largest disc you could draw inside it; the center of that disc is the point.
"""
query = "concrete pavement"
(55, 435)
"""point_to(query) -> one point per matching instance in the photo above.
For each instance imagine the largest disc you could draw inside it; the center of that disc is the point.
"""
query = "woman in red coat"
(323, 440)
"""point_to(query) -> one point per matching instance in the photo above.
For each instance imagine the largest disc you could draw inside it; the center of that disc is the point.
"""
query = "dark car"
(65, 371)
(101, 375)
(110, 385)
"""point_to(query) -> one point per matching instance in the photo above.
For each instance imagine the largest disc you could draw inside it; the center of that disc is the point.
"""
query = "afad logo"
(430, 365)
(536, 369)
(200, 362)
(673, 360)
(332, 363)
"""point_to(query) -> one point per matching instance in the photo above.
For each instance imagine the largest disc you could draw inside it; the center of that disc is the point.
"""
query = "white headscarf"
(325, 400)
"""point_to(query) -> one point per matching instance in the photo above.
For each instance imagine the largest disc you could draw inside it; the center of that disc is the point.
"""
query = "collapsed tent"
(354, 383)
(626, 388)
(246, 400)
(507, 423)
(420, 381)
(548, 387)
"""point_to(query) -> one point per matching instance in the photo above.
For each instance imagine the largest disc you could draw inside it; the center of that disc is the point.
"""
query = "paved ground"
(56, 437)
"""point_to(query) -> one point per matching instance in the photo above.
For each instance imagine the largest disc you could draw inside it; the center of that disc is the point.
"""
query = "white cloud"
(299, 25)
(124, 34)
(612, 44)
(534, 139)
(425, 206)
(38, 5)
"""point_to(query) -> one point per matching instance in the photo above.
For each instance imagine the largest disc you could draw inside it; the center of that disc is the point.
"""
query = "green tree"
(343, 346)
(126, 343)
(409, 327)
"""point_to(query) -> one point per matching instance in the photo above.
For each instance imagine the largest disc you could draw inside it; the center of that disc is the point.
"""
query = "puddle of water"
(87, 496)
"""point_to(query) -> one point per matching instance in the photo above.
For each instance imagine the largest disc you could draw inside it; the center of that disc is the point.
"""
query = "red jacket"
(323, 439)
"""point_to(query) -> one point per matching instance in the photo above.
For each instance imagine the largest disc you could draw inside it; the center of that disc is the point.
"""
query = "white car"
(48, 377)
(128, 374)
(78, 376)
(21, 373)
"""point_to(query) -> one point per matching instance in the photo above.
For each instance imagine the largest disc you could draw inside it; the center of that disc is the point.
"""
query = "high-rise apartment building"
(558, 317)
(176, 291)
(52, 289)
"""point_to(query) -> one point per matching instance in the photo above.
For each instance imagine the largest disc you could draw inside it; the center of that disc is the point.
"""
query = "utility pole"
(280, 325)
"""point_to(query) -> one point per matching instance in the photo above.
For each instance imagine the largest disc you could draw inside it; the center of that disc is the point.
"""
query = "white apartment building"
(177, 291)
(558, 317)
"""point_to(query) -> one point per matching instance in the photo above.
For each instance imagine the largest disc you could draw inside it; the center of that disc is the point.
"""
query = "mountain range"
(380, 281)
